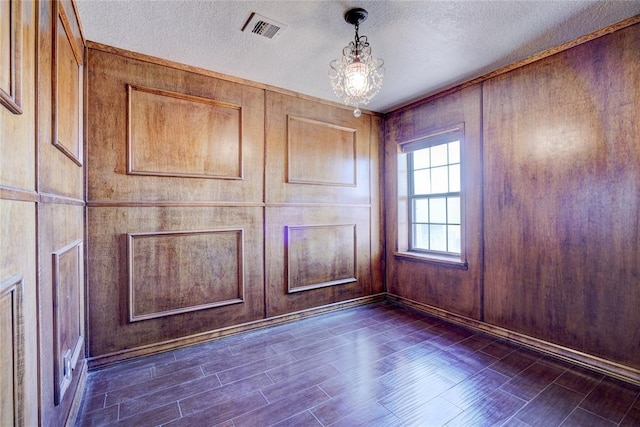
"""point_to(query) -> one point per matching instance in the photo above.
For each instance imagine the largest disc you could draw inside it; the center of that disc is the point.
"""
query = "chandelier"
(357, 76)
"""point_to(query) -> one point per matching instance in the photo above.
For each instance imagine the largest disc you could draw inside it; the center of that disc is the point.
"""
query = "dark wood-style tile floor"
(375, 365)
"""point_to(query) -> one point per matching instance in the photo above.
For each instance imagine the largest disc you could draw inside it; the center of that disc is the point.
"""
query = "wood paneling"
(68, 314)
(215, 129)
(320, 153)
(437, 284)
(12, 381)
(178, 272)
(61, 295)
(320, 255)
(60, 103)
(60, 173)
(182, 257)
(67, 88)
(18, 327)
(316, 153)
(18, 266)
(174, 134)
(316, 256)
(562, 198)
(11, 55)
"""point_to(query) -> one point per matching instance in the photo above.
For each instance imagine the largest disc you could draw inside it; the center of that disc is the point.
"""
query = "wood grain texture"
(12, 351)
(67, 88)
(68, 315)
(315, 153)
(315, 268)
(179, 271)
(60, 117)
(60, 240)
(320, 255)
(11, 55)
(232, 112)
(19, 372)
(61, 296)
(212, 256)
(562, 198)
(320, 153)
(455, 290)
(173, 134)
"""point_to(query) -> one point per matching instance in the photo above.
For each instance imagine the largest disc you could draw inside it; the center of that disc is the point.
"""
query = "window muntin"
(434, 195)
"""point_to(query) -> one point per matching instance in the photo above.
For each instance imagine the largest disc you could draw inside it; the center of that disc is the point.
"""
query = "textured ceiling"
(427, 46)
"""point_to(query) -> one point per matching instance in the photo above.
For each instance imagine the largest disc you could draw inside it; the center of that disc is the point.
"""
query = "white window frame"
(404, 225)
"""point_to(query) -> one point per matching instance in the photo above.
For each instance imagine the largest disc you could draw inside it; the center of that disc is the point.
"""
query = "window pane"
(454, 152)
(421, 182)
(454, 178)
(453, 210)
(439, 180)
(438, 237)
(439, 155)
(438, 210)
(454, 238)
(420, 236)
(421, 158)
(421, 210)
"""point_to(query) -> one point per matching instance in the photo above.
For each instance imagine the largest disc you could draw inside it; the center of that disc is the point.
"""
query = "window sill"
(438, 260)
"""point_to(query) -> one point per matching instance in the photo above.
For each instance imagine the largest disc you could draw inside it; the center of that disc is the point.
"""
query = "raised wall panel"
(320, 153)
(179, 272)
(192, 270)
(68, 325)
(320, 255)
(67, 89)
(61, 297)
(11, 55)
(316, 256)
(316, 153)
(562, 197)
(174, 134)
(12, 363)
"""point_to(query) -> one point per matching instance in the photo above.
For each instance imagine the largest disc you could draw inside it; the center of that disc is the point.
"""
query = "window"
(433, 211)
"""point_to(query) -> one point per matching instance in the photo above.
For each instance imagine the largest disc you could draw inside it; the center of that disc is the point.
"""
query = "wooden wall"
(42, 211)
(560, 202)
(18, 205)
(212, 203)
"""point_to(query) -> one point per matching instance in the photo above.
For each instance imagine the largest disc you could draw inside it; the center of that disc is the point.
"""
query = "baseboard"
(607, 367)
(77, 395)
(106, 360)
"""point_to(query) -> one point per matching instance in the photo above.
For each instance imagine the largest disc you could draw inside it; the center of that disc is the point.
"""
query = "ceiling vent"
(263, 26)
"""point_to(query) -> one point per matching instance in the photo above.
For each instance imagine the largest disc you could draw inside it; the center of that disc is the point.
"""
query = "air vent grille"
(262, 26)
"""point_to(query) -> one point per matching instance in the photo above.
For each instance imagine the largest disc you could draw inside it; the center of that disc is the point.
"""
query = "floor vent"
(262, 26)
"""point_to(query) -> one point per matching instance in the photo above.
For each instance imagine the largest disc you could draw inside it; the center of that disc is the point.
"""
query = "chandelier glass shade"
(357, 76)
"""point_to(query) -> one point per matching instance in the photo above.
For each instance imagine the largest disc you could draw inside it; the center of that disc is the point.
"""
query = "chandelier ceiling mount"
(357, 76)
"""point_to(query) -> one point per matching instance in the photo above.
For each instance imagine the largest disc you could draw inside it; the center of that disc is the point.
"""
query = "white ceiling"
(427, 46)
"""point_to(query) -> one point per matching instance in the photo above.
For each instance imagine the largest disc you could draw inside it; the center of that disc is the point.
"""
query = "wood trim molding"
(607, 367)
(10, 193)
(291, 288)
(65, 360)
(13, 287)
(134, 316)
(168, 204)
(135, 169)
(78, 394)
(148, 350)
(11, 95)
(290, 160)
(60, 200)
(74, 155)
